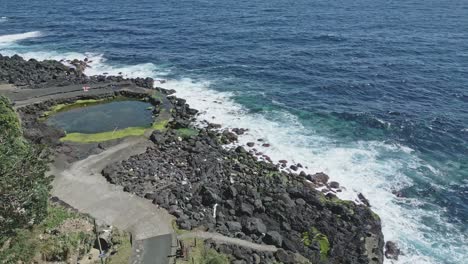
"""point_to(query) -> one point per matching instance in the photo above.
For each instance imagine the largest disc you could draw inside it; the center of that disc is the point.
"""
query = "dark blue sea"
(372, 92)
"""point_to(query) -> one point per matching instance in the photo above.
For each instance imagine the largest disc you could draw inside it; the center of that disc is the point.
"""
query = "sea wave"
(373, 168)
(8, 39)
(3, 19)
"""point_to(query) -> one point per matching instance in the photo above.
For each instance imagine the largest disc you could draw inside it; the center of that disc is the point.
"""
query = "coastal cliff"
(207, 186)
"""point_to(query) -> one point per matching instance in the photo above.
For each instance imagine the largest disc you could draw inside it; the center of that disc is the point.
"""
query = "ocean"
(373, 93)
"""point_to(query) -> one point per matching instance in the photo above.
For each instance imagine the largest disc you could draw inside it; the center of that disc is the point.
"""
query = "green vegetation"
(186, 132)
(104, 136)
(160, 125)
(121, 243)
(78, 103)
(157, 95)
(199, 254)
(24, 187)
(314, 236)
(51, 240)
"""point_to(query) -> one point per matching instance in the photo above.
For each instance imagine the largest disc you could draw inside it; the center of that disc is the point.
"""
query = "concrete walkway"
(228, 240)
(83, 187)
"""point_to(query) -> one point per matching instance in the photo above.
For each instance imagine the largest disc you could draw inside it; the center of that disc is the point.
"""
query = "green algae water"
(103, 117)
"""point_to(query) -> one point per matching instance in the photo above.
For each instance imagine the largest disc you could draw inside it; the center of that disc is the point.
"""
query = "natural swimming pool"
(103, 117)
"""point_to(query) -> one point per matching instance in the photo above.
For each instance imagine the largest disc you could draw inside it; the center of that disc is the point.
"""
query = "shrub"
(24, 187)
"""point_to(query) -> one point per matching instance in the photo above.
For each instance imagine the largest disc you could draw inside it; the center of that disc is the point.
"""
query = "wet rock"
(239, 131)
(363, 199)
(334, 185)
(318, 178)
(391, 250)
(250, 144)
(266, 145)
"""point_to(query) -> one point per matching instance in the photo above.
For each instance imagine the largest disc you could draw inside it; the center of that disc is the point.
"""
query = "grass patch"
(121, 243)
(56, 215)
(186, 132)
(199, 254)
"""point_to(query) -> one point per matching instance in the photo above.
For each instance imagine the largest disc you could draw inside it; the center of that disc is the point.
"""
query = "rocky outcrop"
(231, 192)
(40, 74)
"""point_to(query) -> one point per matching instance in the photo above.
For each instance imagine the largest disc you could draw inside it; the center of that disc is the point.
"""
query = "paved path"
(83, 187)
(228, 240)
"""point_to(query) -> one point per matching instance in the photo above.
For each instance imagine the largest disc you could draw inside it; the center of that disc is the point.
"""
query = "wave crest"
(6, 39)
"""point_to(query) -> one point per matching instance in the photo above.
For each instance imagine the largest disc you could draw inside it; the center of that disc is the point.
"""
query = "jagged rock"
(273, 238)
(246, 209)
(253, 226)
(209, 196)
(234, 226)
(318, 178)
(363, 199)
(391, 250)
(284, 257)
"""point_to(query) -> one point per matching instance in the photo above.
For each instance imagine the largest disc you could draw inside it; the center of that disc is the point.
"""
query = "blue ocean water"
(372, 92)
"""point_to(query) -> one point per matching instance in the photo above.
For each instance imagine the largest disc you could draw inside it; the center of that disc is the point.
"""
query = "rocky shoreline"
(190, 172)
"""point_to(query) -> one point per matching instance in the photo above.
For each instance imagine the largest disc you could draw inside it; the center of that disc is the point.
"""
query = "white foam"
(3, 19)
(369, 167)
(360, 166)
(7, 39)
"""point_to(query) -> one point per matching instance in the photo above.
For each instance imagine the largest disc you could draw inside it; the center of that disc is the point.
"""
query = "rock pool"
(103, 117)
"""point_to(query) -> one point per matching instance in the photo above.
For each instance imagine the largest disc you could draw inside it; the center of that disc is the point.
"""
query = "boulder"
(391, 250)
(334, 185)
(234, 226)
(253, 225)
(209, 196)
(273, 238)
(284, 257)
(246, 209)
(318, 178)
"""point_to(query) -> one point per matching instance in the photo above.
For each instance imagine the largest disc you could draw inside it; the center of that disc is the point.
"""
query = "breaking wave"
(373, 168)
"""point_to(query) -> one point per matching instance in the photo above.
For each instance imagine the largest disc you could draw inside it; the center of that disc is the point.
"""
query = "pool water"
(103, 117)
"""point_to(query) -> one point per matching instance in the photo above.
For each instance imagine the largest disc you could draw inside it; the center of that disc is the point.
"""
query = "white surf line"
(5, 39)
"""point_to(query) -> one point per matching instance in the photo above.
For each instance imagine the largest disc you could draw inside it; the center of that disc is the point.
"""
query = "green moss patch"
(104, 136)
(78, 103)
(186, 132)
(314, 236)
